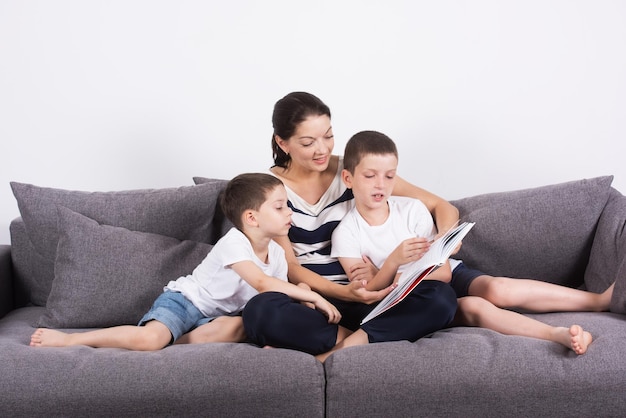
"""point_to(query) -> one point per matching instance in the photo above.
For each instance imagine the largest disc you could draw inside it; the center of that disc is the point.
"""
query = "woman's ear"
(346, 176)
(282, 144)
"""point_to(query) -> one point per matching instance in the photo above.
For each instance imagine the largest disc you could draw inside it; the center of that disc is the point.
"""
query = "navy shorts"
(462, 277)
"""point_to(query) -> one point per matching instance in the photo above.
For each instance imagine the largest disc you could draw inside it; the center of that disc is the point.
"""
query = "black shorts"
(462, 277)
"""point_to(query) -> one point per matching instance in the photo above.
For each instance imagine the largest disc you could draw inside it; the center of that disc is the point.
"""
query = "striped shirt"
(312, 227)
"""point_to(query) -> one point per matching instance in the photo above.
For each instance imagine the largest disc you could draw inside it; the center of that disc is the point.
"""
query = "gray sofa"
(82, 260)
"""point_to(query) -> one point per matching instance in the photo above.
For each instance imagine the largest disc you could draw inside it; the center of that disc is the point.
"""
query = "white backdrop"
(480, 96)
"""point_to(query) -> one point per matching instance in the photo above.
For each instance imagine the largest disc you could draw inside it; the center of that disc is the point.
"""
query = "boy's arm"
(353, 292)
(255, 277)
(443, 212)
(411, 249)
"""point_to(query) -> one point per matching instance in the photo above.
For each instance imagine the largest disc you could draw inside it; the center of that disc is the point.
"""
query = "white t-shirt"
(214, 288)
(408, 218)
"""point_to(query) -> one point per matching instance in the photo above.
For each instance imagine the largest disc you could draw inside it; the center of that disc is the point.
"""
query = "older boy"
(393, 231)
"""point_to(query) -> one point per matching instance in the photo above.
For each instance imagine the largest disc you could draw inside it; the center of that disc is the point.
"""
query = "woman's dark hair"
(290, 111)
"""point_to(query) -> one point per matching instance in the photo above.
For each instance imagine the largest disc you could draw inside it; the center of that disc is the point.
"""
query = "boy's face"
(274, 216)
(373, 179)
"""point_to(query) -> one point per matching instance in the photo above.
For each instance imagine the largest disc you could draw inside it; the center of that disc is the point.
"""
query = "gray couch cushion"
(618, 301)
(106, 275)
(476, 372)
(33, 273)
(185, 213)
(219, 215)
(542, 233)
(182, 380)
(607, 263)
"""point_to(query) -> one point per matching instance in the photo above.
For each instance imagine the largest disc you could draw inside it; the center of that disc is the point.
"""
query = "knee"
(147, 339)
(443, 302)
(471, 310)
(262, 313)
(498, 291)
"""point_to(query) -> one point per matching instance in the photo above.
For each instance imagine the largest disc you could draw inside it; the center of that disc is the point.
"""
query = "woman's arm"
(355, 291)
(384, 277)
(444, 213)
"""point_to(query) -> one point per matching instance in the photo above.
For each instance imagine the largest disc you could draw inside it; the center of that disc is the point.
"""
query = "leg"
(428, 308)
(274, 319)
(538, 296)
(153, 336)
(478, 312)
(223, 329)
(358, 337)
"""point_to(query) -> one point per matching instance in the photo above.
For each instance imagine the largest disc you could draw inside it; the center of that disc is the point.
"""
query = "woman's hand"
(362, 271)
(359, 293)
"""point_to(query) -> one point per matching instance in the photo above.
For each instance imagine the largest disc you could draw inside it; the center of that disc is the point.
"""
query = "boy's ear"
(346, 176)
(249, 218)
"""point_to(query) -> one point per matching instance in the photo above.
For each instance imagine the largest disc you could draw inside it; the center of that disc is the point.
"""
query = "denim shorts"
(176, 312)
(462, 277)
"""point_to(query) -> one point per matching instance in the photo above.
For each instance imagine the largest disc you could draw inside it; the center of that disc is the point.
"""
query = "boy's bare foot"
(579, 339)
(44, 337)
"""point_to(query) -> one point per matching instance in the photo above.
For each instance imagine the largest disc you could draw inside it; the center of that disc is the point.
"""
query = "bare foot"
(579, 339)
(44, 337)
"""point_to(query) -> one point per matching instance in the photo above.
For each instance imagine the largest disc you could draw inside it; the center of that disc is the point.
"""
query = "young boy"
(380, 221)
(243, 263)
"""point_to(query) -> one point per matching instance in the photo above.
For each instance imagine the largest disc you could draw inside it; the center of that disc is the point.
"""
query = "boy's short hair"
(244, 192)
(366, 143)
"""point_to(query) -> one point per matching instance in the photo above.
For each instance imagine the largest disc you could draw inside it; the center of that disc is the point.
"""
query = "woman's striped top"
(313, 225)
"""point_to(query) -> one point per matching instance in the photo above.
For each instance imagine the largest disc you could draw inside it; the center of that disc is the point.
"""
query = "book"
(439, 252)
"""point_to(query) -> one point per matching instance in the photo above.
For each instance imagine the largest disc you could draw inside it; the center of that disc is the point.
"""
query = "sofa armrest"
(6, 280)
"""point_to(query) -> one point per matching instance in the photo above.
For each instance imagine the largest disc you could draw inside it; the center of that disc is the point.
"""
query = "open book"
(439, 252)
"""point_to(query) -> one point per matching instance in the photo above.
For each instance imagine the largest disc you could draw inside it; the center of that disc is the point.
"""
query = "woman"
(302, 145)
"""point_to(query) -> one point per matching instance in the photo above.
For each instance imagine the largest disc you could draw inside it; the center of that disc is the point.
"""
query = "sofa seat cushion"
(469, 372)
(542, 233)
(192, 380)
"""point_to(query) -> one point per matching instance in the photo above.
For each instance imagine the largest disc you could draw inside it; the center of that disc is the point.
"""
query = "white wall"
(480, 96)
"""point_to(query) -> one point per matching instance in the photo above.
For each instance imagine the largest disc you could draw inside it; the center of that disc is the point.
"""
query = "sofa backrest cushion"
(107, 275)
(607, 262)
(184, 213)
(542, 233)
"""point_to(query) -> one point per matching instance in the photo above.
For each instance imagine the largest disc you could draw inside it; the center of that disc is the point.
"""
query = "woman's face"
(311, 145)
